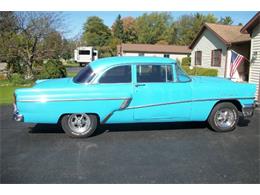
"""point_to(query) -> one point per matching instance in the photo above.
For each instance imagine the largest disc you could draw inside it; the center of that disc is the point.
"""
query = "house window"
(198, 57)
(166, 55)
(154, 73)
(141, 54)
(216, 57)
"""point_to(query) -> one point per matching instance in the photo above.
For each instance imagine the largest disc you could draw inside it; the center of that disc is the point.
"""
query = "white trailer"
(85, 55)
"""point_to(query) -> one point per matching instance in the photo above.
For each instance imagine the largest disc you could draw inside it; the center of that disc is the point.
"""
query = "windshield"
(84, 75)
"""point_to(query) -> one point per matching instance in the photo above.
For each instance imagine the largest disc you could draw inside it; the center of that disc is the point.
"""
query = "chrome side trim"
(122, 107)
(186, 101)
(71, 100)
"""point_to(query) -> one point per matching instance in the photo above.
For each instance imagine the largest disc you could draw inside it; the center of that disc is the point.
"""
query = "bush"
(18, 79)
(186, 61)
(52, 69)
(200, 71)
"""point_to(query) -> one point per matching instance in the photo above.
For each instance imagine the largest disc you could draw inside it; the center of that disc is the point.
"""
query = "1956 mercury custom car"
(133, 90)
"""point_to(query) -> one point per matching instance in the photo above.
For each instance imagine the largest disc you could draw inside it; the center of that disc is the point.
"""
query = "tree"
(96, 33)
(8, 30)
(27, 39)
(187, 27)
(226, 20)
(52, 45)
(130, 34)
(118, 28)
(68, 48)
(152, 28)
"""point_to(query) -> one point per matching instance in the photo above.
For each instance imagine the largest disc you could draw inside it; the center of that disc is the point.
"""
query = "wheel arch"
(235, 102)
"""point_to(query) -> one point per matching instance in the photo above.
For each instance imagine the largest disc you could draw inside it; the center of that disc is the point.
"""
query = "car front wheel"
(79, 125)
(224, 117)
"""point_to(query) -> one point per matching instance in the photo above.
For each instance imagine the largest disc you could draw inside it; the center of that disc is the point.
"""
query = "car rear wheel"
(224, 117)
(79, 125)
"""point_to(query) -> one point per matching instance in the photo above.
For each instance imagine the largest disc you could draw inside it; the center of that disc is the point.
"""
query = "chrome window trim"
(177, 79)
(102, 71)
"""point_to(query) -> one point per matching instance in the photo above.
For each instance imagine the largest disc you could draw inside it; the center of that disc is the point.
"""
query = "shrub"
(186, 61)
(18, 79)
(200, 71)
(52, 69)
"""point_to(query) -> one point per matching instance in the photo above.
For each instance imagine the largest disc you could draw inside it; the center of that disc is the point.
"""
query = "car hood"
(53, 83)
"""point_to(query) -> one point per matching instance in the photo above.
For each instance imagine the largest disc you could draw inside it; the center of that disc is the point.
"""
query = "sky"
(74, 20)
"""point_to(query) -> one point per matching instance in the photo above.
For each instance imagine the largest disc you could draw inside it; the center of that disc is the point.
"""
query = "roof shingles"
(227, 33)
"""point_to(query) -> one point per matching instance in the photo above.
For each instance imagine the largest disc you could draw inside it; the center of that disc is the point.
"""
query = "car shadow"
(53, 128)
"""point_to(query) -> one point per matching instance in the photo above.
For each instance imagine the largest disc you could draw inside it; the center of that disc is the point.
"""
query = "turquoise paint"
(47, 100)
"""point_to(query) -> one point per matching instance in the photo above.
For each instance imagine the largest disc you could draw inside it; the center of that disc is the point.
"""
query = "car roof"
(105, 63)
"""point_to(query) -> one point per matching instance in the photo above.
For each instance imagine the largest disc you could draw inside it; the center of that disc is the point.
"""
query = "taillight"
(14, 98)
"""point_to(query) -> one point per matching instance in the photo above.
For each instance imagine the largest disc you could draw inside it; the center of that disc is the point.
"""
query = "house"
(168, 51)
(212, 47)
(253, 28)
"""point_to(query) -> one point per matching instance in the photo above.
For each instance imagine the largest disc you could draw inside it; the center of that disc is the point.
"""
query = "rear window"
(84, 52)
(84, 75)
(120, 74)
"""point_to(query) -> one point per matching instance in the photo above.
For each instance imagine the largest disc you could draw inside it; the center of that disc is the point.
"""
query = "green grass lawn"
(7, 89)
(6, 94)
(71, 74)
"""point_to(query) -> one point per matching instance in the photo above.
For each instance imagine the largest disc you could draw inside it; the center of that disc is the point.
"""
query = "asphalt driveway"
(143, 153)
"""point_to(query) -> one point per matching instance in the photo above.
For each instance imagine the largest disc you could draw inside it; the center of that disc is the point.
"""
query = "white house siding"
(254, 74)
(206, 43)
(173, 56)
(130, 54)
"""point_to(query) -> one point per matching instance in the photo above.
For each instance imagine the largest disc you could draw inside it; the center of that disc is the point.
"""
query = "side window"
(154, 73)
(181, 76)
(120, 74)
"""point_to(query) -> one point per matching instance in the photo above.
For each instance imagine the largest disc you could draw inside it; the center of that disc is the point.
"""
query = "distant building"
(212, 47)
(253, 28)
(168, 51)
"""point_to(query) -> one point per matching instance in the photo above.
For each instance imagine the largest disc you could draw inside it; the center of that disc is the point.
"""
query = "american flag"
(236, 60)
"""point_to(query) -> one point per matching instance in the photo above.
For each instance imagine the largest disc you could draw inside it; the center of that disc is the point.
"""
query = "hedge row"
(200, 71)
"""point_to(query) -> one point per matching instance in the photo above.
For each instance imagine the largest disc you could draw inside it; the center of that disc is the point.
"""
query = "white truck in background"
(85, 55)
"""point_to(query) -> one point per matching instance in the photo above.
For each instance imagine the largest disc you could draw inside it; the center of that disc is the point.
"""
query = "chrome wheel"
(225, 118)
(79, 123)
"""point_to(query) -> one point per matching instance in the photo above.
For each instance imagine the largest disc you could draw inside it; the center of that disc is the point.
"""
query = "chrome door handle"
(139, 85)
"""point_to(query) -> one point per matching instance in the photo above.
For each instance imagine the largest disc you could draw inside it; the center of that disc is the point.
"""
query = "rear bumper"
(16, 115)
(248, 110)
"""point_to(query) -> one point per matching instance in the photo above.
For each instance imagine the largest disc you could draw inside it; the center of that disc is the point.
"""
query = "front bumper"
(248, 110)
(16, 115)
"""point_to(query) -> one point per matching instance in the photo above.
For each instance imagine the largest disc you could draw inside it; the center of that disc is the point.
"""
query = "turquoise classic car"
(133, 90)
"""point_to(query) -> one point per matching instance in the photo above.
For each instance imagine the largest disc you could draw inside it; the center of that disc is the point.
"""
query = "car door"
(158, 96)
